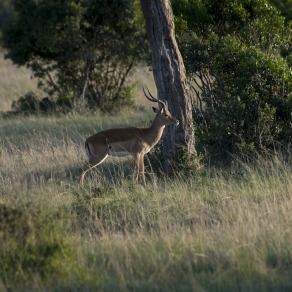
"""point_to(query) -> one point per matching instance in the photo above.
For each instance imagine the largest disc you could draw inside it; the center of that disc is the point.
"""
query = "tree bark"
(170, 79)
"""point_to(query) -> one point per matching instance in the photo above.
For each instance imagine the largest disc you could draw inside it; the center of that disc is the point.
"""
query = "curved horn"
(154, 99)
(151, 98)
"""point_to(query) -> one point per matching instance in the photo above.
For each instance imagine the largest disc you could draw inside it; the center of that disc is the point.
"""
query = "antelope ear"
(156, 110)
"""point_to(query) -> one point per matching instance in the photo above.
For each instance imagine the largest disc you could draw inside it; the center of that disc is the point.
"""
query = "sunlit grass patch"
(217, 230)
(14, 82)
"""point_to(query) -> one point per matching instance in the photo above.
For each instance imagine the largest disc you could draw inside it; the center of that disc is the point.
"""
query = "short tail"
(87, 150)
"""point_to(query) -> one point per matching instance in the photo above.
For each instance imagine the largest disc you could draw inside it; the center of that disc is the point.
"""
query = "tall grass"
(227, 230)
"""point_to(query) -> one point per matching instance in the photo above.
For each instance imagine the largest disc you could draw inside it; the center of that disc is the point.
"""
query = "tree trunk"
(171, 82)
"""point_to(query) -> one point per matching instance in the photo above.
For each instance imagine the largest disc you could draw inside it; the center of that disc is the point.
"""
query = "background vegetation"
(80, 51)
(226, 229)
(238, 54)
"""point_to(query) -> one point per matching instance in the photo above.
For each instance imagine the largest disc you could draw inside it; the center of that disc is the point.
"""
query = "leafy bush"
(27, 104)
(31, 104)
(31, 243)
(237, 56)
(79, 49)
(252, 102)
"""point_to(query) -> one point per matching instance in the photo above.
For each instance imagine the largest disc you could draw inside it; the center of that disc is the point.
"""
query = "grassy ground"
(216, 231)
(227, 230)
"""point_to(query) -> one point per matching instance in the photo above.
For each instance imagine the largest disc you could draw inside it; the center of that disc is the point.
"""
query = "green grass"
(227, 230)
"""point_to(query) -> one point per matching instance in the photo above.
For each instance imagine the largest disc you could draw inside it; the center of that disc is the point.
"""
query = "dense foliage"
(79, 50)
(5, 14)
(285, 6)
(238, 55)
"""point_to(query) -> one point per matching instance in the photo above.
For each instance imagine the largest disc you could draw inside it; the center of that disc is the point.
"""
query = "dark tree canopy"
(238, 53)
(285, 7)
(6, 12)
(78, 48)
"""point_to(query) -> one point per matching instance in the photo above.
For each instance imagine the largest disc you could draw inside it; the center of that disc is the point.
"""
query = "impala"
(128, 141)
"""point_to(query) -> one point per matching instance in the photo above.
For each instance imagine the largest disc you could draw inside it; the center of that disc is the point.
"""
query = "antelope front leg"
(142, 168)
(137, 165)
(139, 168)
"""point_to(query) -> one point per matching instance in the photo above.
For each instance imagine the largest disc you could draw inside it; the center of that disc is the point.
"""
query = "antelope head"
(163, 113)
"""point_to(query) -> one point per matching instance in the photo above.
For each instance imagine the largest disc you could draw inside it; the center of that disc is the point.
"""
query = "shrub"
(79, 49)
(30, 104)
(237, 55)
(32, 243)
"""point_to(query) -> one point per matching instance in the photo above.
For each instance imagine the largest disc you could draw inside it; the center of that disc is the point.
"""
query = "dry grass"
(143, 76)
(220, 230)
(14, 82)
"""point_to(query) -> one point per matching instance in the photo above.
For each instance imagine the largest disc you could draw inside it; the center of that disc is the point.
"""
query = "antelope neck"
(155, 131)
